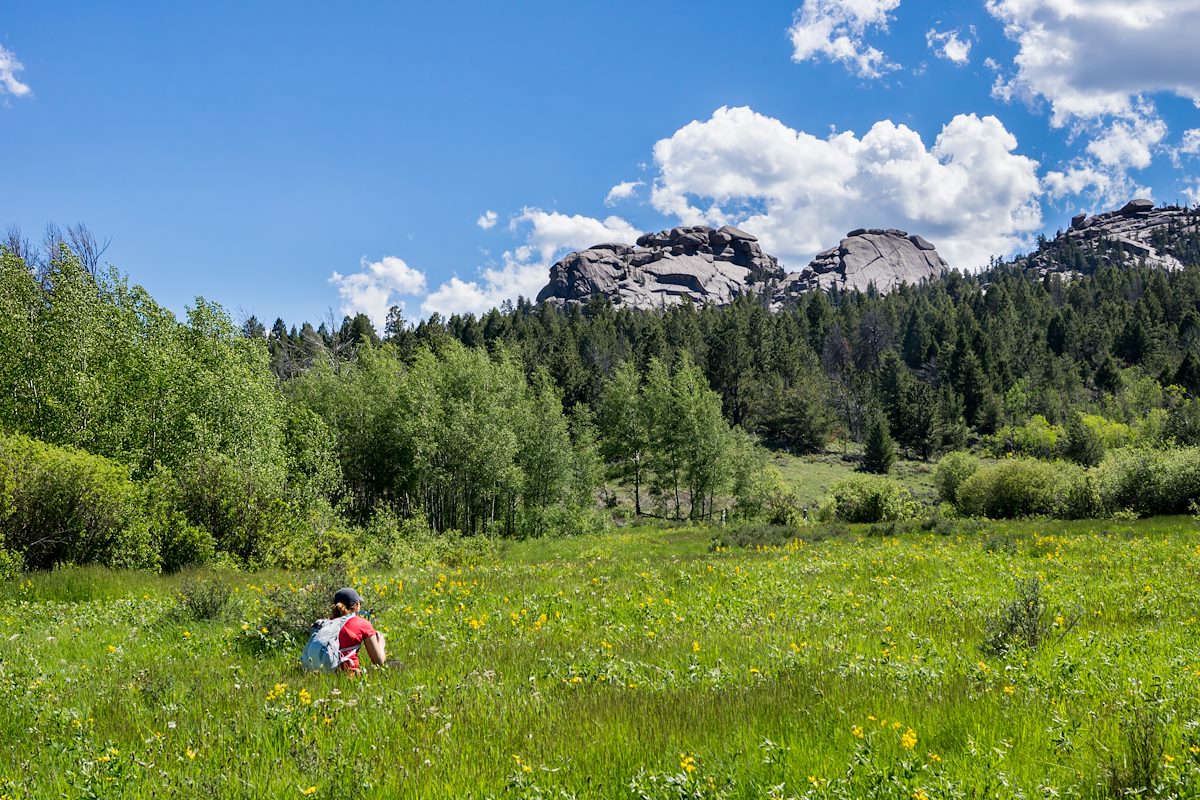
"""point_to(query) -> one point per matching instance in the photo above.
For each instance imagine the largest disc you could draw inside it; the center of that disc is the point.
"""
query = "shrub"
(179, 543)
(204, 598)
(561, 520)
(11, 564)
(71, 507)
(1110, 433)
(1019, 622)
(283, 614)
(867, 498)
(952, 470)
(242, 510)
(751, 535)
(1149, 481)
(1018, 488)
(762, 494)
(1036, 438)
(316, 540)
(1134, 768)
(1082, 500)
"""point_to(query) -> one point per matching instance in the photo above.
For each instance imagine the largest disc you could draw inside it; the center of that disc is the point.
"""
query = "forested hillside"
(954, 359)
(133, 438)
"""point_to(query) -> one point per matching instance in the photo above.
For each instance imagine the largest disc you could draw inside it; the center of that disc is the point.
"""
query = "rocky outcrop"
(881, 257)
(697, 263)
(706, 265)
(1137, 231)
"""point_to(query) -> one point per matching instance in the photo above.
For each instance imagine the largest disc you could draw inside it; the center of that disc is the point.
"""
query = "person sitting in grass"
(356, 632)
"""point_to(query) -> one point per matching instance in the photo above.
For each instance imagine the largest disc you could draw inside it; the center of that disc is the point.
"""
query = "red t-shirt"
(352, 634)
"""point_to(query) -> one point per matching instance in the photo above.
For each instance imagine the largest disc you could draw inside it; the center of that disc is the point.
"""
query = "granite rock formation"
(881, 257)
(1136, 231)
(715, 266)
(698, 263)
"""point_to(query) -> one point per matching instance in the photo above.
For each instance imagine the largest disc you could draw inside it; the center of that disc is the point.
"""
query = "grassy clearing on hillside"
(635, 664)
(810, 476)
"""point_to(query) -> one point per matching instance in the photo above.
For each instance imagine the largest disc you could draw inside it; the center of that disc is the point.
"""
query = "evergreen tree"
(880, 451)
(1081, 444)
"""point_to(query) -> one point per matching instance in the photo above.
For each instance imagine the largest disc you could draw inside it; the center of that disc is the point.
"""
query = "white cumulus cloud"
(622, 191)
(835, 30)
(1091, 58)
(377, 286)
(526, 268)
(1128, 142)
(9, 67)
(487, 220)
(1191, 142)
(1191, 194)
(970, 193)
(947, 45)
(1118, 146)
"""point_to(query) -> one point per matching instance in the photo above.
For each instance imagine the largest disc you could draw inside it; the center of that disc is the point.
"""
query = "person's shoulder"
(360, 626)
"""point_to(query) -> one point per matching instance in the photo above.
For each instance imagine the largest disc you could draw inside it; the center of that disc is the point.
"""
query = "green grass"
(810, 476)
(607, 666)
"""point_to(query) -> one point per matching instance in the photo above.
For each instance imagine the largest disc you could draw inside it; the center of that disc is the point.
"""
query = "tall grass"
(634, 664)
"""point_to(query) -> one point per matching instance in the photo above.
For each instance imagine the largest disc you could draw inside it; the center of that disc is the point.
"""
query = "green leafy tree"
(625, 442)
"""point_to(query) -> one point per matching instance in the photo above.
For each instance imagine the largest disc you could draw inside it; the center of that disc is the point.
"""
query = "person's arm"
(374, 646)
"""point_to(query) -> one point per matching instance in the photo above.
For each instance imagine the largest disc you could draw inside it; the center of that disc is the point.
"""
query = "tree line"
(133, 438)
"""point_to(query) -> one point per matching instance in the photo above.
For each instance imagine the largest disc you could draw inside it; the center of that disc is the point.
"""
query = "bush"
(867, 498)
(562, 520)
(1149, 482)
(71, 507)
(1036, 438)
(1018, 488)
(179, 543)
(1083, 499)
(1019, 622)
(243, 511)
(11, 564)
(1135, 768)
(316, 540)
(204, 598)
(952, 470)
(751, 535)
(762, 494)
(283, 615)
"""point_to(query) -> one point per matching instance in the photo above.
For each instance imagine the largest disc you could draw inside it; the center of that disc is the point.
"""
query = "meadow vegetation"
(1015, 659)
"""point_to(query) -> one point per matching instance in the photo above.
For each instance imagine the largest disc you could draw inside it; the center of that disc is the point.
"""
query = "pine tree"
(1081, 444)
(880, 451)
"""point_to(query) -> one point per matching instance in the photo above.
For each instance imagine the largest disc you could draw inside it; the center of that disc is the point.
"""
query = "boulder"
(735, 233)
(1138, 206)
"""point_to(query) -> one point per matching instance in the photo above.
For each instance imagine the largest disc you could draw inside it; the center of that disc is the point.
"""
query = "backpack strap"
(344, 654)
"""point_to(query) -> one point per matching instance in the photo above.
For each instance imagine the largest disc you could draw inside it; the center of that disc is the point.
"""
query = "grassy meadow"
(645, 663)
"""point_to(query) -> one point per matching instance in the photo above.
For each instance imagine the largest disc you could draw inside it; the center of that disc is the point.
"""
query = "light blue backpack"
(322, 653)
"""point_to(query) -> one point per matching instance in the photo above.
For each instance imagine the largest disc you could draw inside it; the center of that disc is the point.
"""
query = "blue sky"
(297, 160)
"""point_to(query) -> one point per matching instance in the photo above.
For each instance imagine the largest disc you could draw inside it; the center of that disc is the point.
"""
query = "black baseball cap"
(347, 597)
